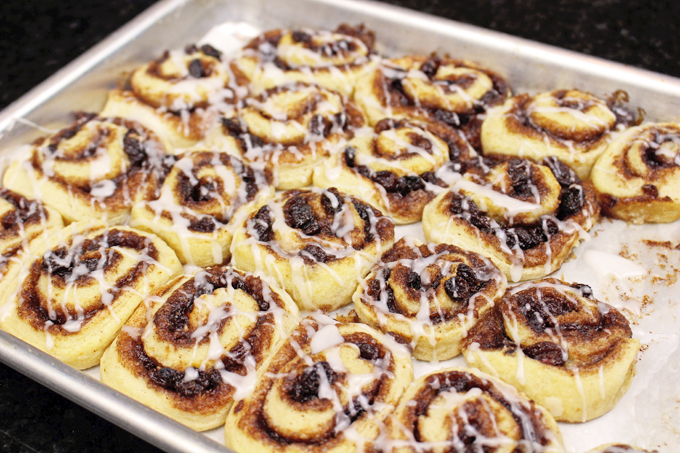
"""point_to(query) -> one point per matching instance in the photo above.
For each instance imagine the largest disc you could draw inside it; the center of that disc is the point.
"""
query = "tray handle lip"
(102, 400)
(65, 76)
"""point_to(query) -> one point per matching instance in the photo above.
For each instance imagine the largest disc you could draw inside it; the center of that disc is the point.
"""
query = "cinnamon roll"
(428, 296)
(555, 342)
(437, 88)
(24, 224)
(331, 59)
(398, 167)
(292, 127)
(202, 193)
(456, 410)
(194, 346)
(315, 243)
(76, 293)
(327, 388)
(96, 168)
(572, 125)
(638, 176)
(171, 95)
(620, 448)
(523, 216)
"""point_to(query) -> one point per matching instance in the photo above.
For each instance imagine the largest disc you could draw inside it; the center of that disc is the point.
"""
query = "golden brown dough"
(399, 166)
(638, 176)
(428, 295)
(331, 59)
(555, 342)
(292, 128)
(456, 410)
(327, 389)
(78, 291)
(195, 345)
(201, 195)
(572, 125)
(315, 243)
(94, 169)
(523, 216)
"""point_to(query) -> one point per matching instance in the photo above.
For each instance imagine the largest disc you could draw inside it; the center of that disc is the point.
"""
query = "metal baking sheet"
(83, 85)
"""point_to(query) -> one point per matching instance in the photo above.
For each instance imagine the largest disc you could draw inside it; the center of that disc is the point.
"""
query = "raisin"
(196, 69)
(519, 176)
(232, 126)
(9, 220)
(364, 171)
(586, 291)
(429, 177)
(205, 224)
(350, 154)
(300, 215)
(191, 48)
(58, 262)
(327, 204)
(368, 351)
(408, 184)
(134, 148)
(572, 202)
(203, 190)
(546, 352)
(262, 223)
(387, 179)
(306, 385)
(429, 68)
(463, 285)
(316, 252)
(650, 190)
(301, 36)
(414, 281)
(210, 51)
(564, 175)
(450, 118)
(527, 239)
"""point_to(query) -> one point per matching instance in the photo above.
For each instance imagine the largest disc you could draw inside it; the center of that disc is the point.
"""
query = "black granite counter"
(37, 37)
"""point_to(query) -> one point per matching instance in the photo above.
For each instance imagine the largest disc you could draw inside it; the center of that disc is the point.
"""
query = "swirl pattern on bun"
(171, 94)
(328, 388)
(201, 195)
(331, 59)
(194, 346)
(96, 168)
(525, 217)
(315, 243)
(437, 88)
(78, 291)
(398, 167)
(428, 296)
(456, 410)
(555, 342)
(292, 128)
(572, 125)
(638, 176)
(24, 224)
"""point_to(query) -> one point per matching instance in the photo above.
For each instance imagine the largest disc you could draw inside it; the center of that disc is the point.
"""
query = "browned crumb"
(349, 317)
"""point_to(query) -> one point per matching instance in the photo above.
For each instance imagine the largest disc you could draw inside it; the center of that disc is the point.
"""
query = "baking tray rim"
(133, 416)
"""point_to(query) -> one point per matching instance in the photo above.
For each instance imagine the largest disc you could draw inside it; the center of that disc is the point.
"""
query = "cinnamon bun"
(24, 224)
(398, 167)
(171, 95)
(77, 292)
(96, 168)
(444, 89)
(195, 345)
(291, 127)
(555, 342)
(572, 125)
(315, 243)
(331, 59)
(200, 196)
(456, 410)
(428, 296)
(327, 389)
(523, 216)
(638, 176)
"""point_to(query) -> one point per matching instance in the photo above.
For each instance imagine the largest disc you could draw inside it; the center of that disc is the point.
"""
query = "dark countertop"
(37, 37)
